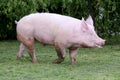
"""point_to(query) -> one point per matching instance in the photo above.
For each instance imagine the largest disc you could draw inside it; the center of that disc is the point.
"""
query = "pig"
(62, 32)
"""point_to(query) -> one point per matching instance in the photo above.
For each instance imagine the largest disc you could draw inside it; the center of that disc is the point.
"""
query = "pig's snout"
(100, 43)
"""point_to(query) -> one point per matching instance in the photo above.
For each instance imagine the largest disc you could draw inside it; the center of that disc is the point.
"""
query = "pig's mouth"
(98, 46)
(92, 46)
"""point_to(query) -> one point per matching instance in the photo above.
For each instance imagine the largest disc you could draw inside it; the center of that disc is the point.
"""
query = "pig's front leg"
(72, 53)
(60, 53)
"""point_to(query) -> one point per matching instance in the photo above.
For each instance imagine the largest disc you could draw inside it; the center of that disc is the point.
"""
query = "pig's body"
(57, 30)
(50, 28)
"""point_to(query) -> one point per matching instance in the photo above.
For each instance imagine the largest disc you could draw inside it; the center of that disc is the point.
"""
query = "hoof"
(58, 60)
(74, 61)
(17, 58)
(35, 62)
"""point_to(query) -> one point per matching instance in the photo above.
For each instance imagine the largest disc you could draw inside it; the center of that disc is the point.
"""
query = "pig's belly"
(45, 40)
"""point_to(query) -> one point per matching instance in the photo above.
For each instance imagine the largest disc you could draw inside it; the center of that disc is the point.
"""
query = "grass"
(92, 64)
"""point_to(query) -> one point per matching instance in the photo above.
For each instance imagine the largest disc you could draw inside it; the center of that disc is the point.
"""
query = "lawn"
(92, 64)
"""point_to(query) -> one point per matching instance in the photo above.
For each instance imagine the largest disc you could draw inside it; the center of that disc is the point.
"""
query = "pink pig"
(61, 31)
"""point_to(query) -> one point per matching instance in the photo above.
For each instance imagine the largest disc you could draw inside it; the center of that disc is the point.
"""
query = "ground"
(92, 64)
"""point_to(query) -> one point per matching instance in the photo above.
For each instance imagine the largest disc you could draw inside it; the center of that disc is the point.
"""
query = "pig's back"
(38, 19)
(54, 21)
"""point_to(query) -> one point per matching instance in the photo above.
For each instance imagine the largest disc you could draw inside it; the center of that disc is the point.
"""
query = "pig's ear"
(89, 20)
(84, 26)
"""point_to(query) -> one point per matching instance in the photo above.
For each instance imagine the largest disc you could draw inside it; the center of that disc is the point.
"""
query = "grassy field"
(92, 64)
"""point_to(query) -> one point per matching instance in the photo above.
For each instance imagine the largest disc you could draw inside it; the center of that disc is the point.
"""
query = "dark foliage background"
(106, 14)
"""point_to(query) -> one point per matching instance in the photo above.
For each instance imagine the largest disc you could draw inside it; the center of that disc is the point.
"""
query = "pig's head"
(89, 37)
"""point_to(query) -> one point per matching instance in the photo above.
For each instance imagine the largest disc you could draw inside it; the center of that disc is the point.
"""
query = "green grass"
(92, 64)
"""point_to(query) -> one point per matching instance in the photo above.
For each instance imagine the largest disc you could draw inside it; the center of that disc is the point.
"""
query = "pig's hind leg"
(21, 50)
(27, 42)
(30, 47)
